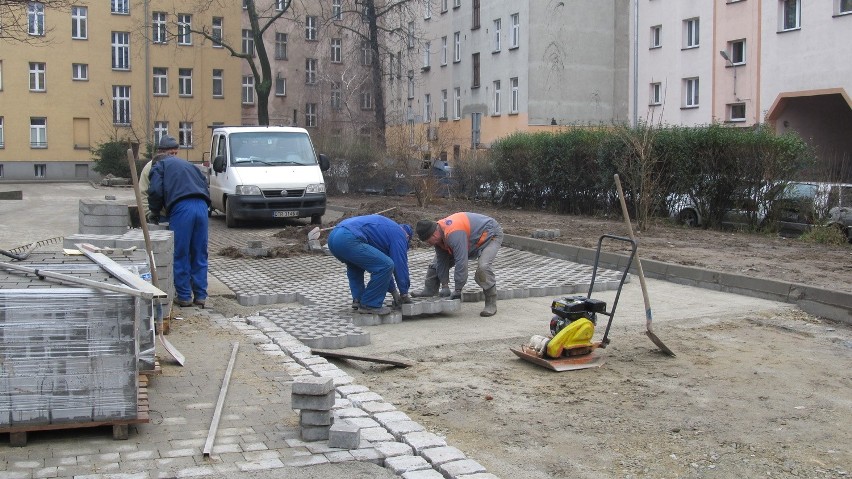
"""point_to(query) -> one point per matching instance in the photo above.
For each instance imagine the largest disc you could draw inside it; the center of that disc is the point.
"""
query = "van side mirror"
(219, 164)
(324, 162)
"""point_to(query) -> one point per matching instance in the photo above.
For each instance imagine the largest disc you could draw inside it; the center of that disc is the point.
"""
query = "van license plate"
(284, 214)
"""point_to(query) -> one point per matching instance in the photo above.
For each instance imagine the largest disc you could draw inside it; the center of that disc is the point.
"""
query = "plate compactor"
(569, 346)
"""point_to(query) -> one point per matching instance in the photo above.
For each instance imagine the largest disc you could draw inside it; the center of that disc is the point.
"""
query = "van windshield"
(265, 148)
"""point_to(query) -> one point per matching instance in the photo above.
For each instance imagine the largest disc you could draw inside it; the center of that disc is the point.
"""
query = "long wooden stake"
(214, 424)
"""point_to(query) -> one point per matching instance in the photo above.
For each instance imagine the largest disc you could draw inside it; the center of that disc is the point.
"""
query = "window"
(161, 81)
(443, 50)
(280, 46)
(475, 15)
(279, 5)
(390, 67)
(410, 35)
(655, 96)
(37, 77)
(120, 51)
(475, 129)
(121, 104)
(216, 32)
(456, 103)
(656, 32)
(310, 71)
(456, 47)
(496, 106)
(310, 28)
(475, 80)
(366, 100)
(35, 18)
(158, 27)
(161, 129)
(737, 52)
(690, 99)
(310, 114)
(248, 90)
(366, 53)
(2, 140)
(79, 71)
(336, 49)
(185, 134)
(444, 5)
(515, 31)
(40, 170)
(336, 10)
(844, 6)
(791, 14)
(38, 133)
(456, 3)
(218, 83)
(120, 6)
(336, 103)
(443, 105)
(427, 10)
(426, 55)
(280, 86)
(410, 84)
(737, 112)
(690, 33)
(496, 34)
(79, 23)
(184, 81)
(184, 26)
(427, 108)
(248, 43)
(516, 100)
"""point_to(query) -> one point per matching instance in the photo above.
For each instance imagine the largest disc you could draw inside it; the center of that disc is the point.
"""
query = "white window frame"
(427, 108)
(310, 71)
(218, 86)
(161, 129)
(410, 36)
(40, 170)
(216, 29)
(336, 50)
(444, 6)
(655, 94)
(311, 28)
(457, 103)
(497, 25)
(279, 5)
(366, 53)
(247, 43)
(443, 50)
(336, 96)
(184, 25)
(410, 84)
(656, 36)
(185, 82)
(366, 100)
(516, 95)
(310, 115)
(120, 7)
(38, 76)
(38, 132)
(427, 54)
(281, 40)
(730, 112)
(280, 86)
(121, 113)
(121, 51)
(336, 10)
(456, 3)
(427, 9)
(783, 7)
(691, 98)
(737, 52)
(160, 84)
(35, 19)
(2, 142)
(185, 135)
(159, 34)
(515, 31)
(444, 105)
(844, 7)
(496, 96)
(456, 47)
(79, 23)
(248, 90)
(691, 33)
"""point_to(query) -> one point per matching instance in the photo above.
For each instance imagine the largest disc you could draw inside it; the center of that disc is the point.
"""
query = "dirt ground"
(759, 394)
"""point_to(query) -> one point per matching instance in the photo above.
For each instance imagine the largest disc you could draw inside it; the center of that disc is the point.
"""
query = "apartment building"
(745, 62)
(112, 69)
(470, 72)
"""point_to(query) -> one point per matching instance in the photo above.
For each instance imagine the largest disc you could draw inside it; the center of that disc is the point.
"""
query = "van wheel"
(688, 218)
(230, 221)
(316, 219)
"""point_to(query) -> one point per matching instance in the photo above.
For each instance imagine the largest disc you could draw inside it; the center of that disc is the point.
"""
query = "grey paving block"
(423, 474)
(400, 428)
(310, 417)
(316, 403)
(314, 433)
(459, 468)
(344, 435)
(312, 386)
(420, 441)
(386, 417)
(391, 449)
(439, 455)
(403, 464)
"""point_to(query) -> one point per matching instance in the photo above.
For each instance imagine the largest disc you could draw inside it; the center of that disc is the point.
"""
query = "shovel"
(648, 318)
(314, 234)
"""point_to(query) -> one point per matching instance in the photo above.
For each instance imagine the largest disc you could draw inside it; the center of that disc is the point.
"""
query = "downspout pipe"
(635, 63)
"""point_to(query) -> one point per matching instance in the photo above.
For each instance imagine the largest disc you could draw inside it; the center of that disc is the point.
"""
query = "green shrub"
(828, 235)
(111, 159)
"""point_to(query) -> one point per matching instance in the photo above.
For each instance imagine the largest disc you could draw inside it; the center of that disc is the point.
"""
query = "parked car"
(840, 216)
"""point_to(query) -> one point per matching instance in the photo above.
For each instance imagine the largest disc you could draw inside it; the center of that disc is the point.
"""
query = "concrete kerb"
(834, 305)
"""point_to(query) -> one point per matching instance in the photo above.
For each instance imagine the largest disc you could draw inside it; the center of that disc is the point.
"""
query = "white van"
(264, 173)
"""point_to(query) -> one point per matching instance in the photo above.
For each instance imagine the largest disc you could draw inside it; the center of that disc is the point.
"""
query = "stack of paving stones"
(103, 217)
(326, 320)
(546, 234)
(314, 397)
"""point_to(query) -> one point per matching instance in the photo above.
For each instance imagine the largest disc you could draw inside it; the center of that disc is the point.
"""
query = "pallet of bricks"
(71, 356)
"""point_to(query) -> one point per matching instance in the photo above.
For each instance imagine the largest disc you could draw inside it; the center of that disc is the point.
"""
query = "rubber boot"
(431, 287)
(490, 302)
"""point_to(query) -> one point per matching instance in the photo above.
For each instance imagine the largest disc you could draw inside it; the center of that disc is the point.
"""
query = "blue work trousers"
(188, 221)
(359, 257)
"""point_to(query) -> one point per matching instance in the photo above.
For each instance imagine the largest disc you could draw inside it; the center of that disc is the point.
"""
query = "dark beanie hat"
(425, 228)
(167, 143)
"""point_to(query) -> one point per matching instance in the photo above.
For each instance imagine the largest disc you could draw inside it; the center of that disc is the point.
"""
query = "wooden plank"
(214, 424)
(120, 272)
(357, 357)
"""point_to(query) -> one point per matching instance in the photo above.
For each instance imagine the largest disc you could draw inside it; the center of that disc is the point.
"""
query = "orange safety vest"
(458, 222)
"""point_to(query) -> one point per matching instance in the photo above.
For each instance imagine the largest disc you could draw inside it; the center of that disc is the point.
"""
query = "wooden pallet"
(153, 372)
(120, 427)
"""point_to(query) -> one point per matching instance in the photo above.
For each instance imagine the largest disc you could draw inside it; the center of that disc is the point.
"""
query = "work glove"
(456, 295)
(445, 292)
(153, 219)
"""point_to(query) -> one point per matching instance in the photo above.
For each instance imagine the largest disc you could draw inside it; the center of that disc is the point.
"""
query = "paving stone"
(402, 464)
(344, 434)
(373, 407)
(479, 475)
(423, 440)
(400, 428)
(391, 449)
(377, 434)
(424, 474)
(316, 403)
(308, 417)
(439, 455)
(462, 467)
(390, 416)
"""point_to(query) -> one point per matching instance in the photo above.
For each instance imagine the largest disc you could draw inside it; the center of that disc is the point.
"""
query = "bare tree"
(23, 21)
